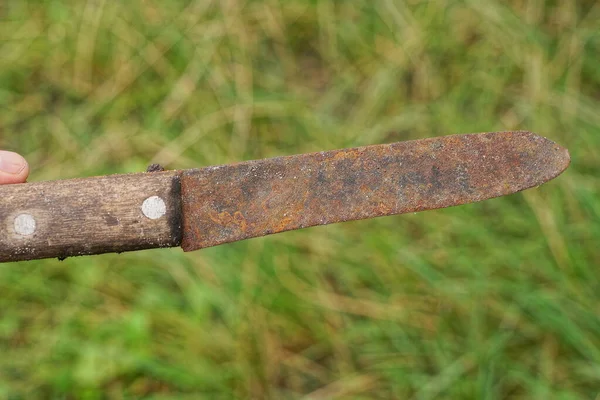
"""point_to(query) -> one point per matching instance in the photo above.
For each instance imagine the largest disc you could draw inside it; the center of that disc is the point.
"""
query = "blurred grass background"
(497, 300)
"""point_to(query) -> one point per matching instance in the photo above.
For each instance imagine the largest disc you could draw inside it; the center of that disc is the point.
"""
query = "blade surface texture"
(233, 202)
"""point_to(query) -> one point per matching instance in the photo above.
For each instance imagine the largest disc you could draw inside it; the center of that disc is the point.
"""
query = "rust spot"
(225, 219)
(256, 198)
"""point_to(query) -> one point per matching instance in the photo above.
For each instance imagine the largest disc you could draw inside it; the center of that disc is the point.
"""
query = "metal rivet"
(154, 207)
(25, 224)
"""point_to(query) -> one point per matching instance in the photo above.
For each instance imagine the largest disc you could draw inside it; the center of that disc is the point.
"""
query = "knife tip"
(555, 157)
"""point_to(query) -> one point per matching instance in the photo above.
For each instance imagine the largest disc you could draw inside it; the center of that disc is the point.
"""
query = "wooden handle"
(114, 213)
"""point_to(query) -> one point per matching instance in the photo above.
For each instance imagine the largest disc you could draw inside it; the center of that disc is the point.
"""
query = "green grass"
(496, 300)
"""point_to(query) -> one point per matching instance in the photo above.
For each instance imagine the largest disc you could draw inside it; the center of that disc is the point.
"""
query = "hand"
(13, 168)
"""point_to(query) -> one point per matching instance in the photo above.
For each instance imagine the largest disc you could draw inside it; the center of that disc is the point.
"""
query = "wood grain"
(95, 215)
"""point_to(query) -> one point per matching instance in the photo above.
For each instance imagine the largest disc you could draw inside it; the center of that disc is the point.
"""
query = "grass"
(496, 300)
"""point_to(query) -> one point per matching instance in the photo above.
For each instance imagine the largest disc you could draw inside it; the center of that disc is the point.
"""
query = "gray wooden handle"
(114, 213)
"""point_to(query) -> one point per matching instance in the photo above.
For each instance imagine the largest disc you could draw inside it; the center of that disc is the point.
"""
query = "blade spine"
(356, 148)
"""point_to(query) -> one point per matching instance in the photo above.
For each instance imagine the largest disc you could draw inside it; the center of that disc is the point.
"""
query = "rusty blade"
(239, 201)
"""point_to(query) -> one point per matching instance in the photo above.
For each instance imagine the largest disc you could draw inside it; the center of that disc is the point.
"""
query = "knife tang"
(95, 215)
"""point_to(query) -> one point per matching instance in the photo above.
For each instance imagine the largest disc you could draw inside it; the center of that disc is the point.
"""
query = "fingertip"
(13, 168)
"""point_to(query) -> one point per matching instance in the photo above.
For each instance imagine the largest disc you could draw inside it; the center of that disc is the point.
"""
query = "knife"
(209, 206)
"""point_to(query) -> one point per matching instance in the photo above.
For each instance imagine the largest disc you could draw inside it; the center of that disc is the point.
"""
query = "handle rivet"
(25, 224)
(154, 207)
